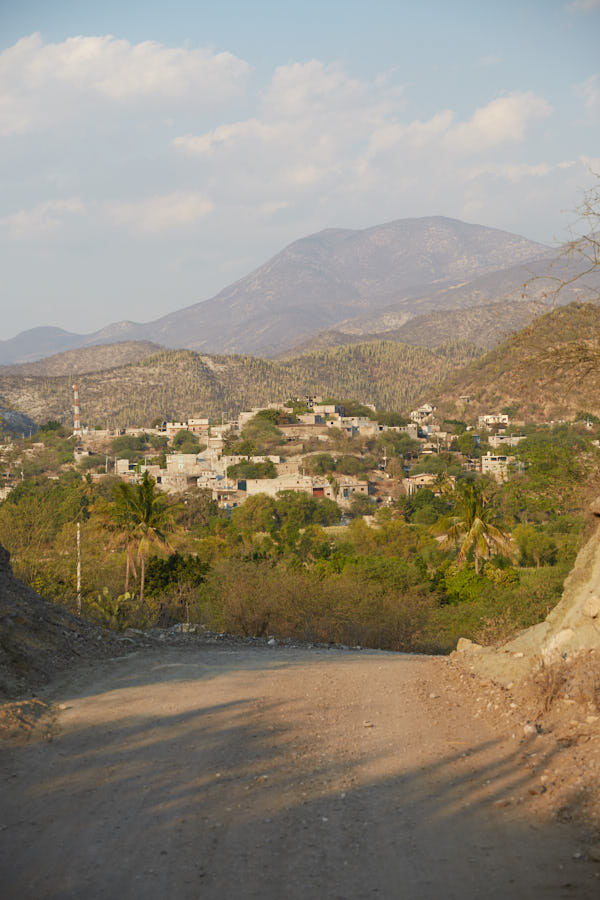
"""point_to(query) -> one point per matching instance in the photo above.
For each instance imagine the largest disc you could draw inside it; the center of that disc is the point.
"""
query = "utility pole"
(78, 567)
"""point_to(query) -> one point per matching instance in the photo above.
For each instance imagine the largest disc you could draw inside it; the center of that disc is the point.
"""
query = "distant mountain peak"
(315, 282)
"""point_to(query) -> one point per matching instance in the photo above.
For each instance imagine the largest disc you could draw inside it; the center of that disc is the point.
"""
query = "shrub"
(246, 470)
(258, 599)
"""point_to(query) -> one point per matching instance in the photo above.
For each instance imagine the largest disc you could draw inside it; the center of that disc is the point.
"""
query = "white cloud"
(273, 206)
(42, 80)
(315, 126)
(301, 89)
(311, 123)
(504, 120)
(397, 135)
(162, 212)
(42, 219)
(516, 172)
(583, 6)
(316, 147)
(226, 135)
(589, 91)
(330, 147)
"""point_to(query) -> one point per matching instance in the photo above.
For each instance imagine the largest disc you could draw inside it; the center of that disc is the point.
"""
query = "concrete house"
(495, 465)
(491, 419)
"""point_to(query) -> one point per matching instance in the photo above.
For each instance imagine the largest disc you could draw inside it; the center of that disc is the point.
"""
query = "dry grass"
(496, 630)
(258, 599)
(576, 678)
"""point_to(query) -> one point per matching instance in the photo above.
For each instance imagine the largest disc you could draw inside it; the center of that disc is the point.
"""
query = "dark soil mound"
(38, 638)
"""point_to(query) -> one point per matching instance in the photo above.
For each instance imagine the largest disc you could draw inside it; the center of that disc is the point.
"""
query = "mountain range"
(353, 282)
(547, 370)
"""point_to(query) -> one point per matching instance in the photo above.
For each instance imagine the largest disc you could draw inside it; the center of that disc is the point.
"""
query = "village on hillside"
(358, 457)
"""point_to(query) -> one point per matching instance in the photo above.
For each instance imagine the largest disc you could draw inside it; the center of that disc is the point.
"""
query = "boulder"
(466, 646)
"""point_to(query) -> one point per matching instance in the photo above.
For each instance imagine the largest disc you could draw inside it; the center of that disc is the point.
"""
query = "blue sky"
(153, 153)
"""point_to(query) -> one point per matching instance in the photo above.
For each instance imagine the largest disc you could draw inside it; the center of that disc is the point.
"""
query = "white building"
(505, 440)
(495, 465)
(422, 413)
(491, 419)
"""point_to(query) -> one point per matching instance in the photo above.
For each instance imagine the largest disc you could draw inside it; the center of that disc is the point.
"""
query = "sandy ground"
(234, 772)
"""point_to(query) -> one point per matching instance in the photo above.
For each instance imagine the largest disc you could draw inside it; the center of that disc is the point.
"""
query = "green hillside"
(548, 371)
(178, 383)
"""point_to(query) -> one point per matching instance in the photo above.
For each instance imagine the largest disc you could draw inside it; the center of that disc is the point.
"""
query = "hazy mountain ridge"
(337, 274)
(85, 359)
(551, 280)
(313, 284)
(482, 326)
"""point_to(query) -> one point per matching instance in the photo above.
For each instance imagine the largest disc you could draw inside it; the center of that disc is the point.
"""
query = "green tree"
(320, 463)
(471, 527)
(118, 519)
(256, 514)
(145, 517)
(185, 442)
(251, 470)
(128, 446)
(349, 465)
(535, 546)
(262, 432)
(297, 510)
(360, 505)
(467, 444)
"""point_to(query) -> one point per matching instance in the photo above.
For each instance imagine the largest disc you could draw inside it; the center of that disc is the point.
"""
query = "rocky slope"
(38, 638)
(572, 628)
(547, 371)
(482, 326)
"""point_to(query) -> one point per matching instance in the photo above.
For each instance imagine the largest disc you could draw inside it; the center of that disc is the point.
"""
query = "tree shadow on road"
(243, 798)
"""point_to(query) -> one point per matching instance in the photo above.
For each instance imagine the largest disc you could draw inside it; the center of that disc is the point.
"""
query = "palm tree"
(472, 528)
(442, 483)
(120, 519)
(144, 517)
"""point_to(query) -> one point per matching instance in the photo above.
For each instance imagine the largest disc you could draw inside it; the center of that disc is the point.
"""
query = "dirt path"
(273, 773)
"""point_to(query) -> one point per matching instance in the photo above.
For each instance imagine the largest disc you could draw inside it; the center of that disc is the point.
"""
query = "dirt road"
(273, 773)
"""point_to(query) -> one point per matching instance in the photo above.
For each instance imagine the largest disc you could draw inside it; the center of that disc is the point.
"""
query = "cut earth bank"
(552, 671)
(205, 765)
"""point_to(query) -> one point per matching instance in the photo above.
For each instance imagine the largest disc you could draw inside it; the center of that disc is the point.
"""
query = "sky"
(153, 153)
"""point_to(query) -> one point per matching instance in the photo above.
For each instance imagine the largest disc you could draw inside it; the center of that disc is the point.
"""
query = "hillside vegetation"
(483, 326)
(548, 371)
(177, 383)
(85, 359)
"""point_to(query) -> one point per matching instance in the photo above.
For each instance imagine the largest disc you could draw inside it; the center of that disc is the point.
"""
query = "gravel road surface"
(269, 772)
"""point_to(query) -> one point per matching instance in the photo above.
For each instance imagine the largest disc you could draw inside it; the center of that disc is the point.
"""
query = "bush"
(257, 599)
(320, 463)
(162, 574)
(250, 470)
(128, 446)
(465, 585)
